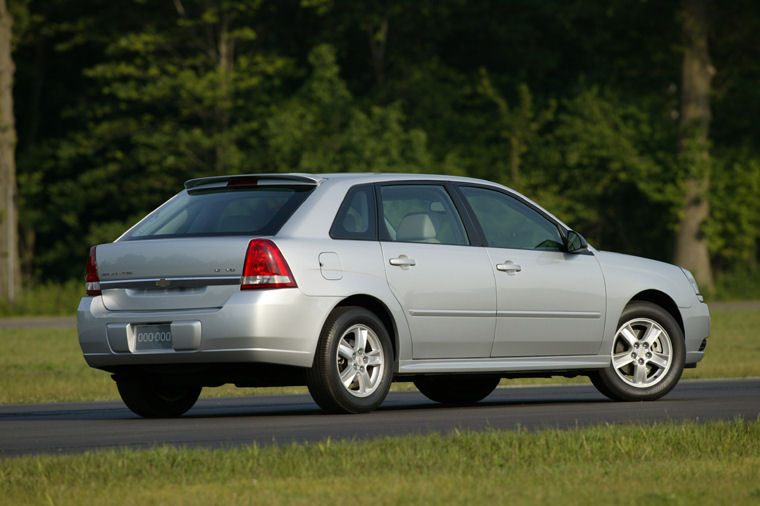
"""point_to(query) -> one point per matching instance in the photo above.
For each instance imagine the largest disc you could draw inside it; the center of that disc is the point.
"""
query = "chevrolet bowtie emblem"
(163, 283)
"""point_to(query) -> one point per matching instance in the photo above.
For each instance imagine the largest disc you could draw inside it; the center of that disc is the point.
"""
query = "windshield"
(248, 210)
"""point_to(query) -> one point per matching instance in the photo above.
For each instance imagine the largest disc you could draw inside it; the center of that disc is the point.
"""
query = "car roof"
(353, 177)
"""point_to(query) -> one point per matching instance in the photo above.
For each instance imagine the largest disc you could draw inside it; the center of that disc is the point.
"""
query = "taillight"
(92, 280)
(265, 267)
(243, 181)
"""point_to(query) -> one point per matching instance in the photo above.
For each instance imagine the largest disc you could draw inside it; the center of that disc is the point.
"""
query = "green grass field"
(674, 464)
(686, 464)
(46, 365)
(50, 299)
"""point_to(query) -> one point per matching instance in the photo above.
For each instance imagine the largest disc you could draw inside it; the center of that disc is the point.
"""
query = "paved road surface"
(230, 422)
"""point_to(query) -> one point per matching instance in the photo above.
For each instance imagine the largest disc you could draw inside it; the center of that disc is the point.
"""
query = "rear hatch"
(189, 253)
(161, 274)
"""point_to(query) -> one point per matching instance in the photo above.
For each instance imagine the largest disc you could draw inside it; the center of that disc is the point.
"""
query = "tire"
(647, 355)
(456, 389)
(157, 400)
(353, 365)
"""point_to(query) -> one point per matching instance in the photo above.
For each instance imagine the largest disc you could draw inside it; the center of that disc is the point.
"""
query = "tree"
(697, 72)
(10, 275)
(519, 125)
(180, 90)
(321, 128)
(576, 104)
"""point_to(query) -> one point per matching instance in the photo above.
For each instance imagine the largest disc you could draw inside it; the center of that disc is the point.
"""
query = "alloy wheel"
(360, 360)
(642, 353)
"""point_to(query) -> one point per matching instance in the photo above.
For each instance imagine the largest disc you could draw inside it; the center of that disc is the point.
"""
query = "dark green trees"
(578, 105)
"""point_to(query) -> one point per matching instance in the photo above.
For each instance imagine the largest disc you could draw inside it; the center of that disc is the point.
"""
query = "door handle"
(402, 261)
(509, 267)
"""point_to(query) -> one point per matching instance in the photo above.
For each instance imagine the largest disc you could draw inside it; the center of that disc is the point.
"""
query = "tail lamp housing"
(265, 267)
(92, 280)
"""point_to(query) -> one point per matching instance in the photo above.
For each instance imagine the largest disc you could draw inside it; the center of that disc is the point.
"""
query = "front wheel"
(647, 355)
(153, 399)
(353, 366)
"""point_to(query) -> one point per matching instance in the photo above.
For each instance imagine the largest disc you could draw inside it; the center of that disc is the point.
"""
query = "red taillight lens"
(92, 280)
(265, 267)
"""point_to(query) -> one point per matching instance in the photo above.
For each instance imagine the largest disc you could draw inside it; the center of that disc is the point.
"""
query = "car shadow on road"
(297, 405)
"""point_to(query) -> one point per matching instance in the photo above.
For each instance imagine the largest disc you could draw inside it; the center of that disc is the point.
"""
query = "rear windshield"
(249, 210)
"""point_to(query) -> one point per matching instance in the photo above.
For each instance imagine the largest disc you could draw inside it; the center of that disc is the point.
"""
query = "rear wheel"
(353, 366)
(647, 356)
(155, 399)
(456, 389)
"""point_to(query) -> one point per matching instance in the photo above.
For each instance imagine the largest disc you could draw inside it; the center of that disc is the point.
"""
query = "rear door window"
(236, 210)
(421, 213)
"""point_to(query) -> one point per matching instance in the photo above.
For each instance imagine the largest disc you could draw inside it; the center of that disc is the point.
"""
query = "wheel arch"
(619, 384)
(380, 310)
(664, 301)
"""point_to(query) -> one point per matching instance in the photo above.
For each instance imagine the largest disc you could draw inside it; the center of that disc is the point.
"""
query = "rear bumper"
(268, 326)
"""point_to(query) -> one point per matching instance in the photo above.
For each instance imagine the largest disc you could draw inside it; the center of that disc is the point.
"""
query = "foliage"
(734, 224)
(607, 170)
(322, 129)
(574, 104)
(737, 285)
(520, 126)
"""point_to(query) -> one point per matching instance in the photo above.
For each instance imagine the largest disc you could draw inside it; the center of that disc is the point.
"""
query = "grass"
(733, 349)
(48, 299)
(678, 464)
(46, 365)
(711, 463)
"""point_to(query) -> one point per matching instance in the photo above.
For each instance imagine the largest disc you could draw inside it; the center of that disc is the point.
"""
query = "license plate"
(153, 337)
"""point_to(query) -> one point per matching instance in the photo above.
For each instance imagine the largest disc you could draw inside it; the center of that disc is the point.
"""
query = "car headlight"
(693, 283)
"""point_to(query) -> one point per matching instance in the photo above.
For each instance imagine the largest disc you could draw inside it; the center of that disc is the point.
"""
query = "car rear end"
(201, 280)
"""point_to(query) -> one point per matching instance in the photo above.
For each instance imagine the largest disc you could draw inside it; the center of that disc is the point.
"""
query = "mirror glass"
(575, 242)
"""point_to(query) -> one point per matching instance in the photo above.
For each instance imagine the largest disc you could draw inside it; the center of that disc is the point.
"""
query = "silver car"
(347, 282)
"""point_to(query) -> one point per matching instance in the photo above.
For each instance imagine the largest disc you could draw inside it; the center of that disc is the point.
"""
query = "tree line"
(633, 121)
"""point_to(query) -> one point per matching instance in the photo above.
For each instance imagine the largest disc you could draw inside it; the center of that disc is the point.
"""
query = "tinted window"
(356, 217)
(248, 210)
(421, 213)
(509, 223)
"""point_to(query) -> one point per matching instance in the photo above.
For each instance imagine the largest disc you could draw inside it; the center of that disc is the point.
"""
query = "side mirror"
(575, 243)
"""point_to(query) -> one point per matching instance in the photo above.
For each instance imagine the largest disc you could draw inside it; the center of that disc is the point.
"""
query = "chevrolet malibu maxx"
(347, 282)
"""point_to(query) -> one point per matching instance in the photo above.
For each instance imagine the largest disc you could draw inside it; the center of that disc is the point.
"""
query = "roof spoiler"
(289, 178)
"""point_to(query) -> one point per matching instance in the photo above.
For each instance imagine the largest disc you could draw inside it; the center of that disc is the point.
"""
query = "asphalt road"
(282, 419)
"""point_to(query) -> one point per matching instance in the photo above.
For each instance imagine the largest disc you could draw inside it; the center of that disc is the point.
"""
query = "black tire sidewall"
(325, 385)
(614, 387)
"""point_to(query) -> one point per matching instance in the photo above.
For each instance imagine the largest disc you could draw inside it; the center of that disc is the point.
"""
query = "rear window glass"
(249, 210)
